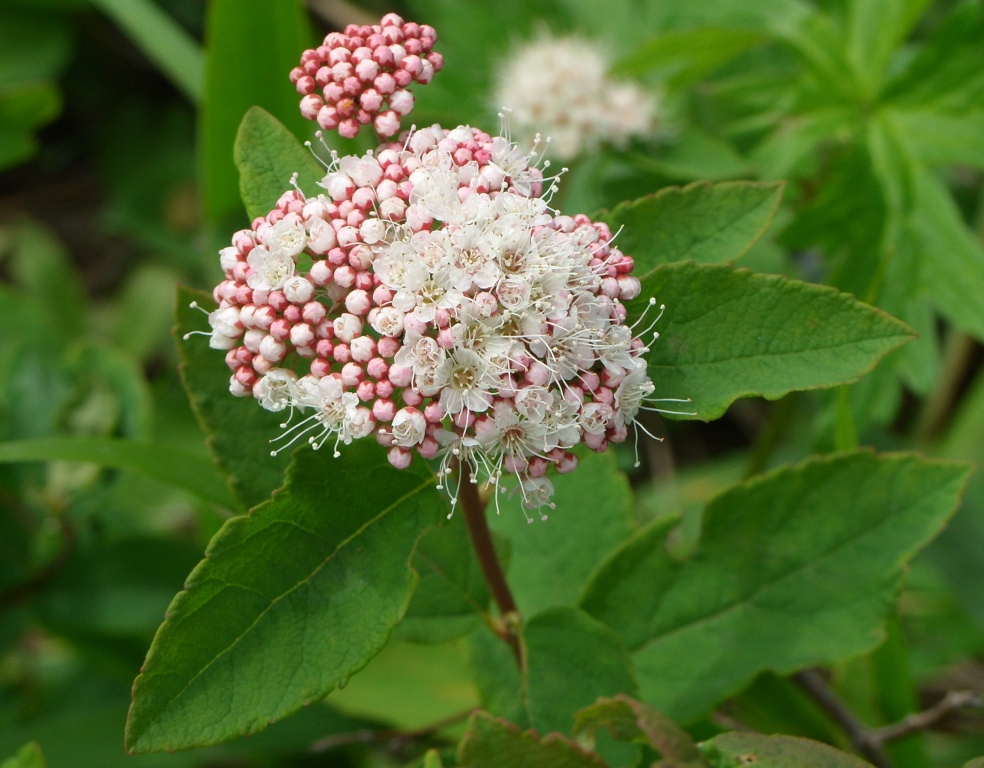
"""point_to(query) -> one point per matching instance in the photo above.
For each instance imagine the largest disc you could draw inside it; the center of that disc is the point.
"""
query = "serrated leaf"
(730, 333)
(796, 568)
(571, 660)
(737, 750)
(630, 720)
(551, 559)
(289, 602)
(239, 430)
(703, 222)
(267, 155)
(492, 743)
(28, 757)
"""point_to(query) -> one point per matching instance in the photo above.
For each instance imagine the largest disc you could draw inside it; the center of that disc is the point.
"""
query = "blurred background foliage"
(117, 119)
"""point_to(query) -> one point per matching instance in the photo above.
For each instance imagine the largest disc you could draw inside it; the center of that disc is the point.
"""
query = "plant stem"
(481, 539)
(920, 721)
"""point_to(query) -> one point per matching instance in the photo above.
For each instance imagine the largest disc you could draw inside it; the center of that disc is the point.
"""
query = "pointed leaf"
(289, 602)
(796, 568)
(239, 430)
(736, 750)
(703, 222)
(28, 757)
(730, 333)
(267, 155)
(492, 743)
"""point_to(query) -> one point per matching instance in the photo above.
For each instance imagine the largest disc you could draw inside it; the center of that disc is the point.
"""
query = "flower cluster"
(431, 297)
(559, 87)
(360, 76)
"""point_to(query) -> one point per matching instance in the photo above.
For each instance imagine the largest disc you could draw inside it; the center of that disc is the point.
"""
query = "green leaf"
(551, 559)
(496, 675)
(167, 463)
(267, 155)
(492, 743)
(452, 595)
(953, 261)
(703, 222)
(34, 45)
(289, 602)
(571, 660)
(28, 757)
(795, 568)
(251, 47)
(695, 154)
(875, 30)
(239, 430)
(977, 762)
(689, 55)
(939, 138)
(163, 40)
(631, 720)
(736, 750)
(730, 333)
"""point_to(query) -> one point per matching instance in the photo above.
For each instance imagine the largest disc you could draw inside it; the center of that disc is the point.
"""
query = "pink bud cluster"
(360, 76)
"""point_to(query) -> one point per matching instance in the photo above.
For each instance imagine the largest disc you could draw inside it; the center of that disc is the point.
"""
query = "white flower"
(631, 393)
(275, 389)
(465, 382)
(409, 427)
(287, 236)
(271, 269)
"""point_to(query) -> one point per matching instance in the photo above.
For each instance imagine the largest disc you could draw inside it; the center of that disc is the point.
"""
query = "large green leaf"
(167, 463)
(251, 47)
(730, 333)
(28, 757)
(491, 743)
(289, 602)
(267, 156)
(551, 559)
(239, 430)
(735, 750)
(704, 222)
(798, 567)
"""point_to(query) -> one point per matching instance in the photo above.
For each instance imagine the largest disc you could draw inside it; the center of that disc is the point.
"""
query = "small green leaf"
(239, 75)
(631, 720)
(551, 559)
(737, 750)
(703, 222)
(28, 757)
(163, 40)
(977, 762)
(267, 155)
(289, 602)
(432, 759)
(492, 743)
(167, 463)
(798, 567)
(730, 333)
(239, 430)
(571, 660)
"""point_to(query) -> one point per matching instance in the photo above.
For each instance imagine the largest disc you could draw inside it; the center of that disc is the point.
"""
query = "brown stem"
(813, 683)
(920, 721)
(481, 539)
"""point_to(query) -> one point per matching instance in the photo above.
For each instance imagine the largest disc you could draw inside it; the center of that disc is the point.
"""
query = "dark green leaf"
(497, 676)
(875, 30)
(703, 222)
(28, 757)
(798, 567)
(267, 155)
(491, 743)
(737, 750)
(251, 47)
(169, 464)
(239, 429)
(730, 333)
(289, 602)
(550, 559)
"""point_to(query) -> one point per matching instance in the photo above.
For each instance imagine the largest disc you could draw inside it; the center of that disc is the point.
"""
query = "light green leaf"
(239, 430)
(28, 757)
(551, 559)
(492, 743)
(875, 30)
(267, 155)
(290, 601)
(796, 568)
(167, 463)
(686, 56)
(730, 333)
(240, 75)
(702, 222)
(939, 138)
(977, 762)
(696, 154)
(571, 660)
(736, 750)
(953, 258)
(163, 40)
